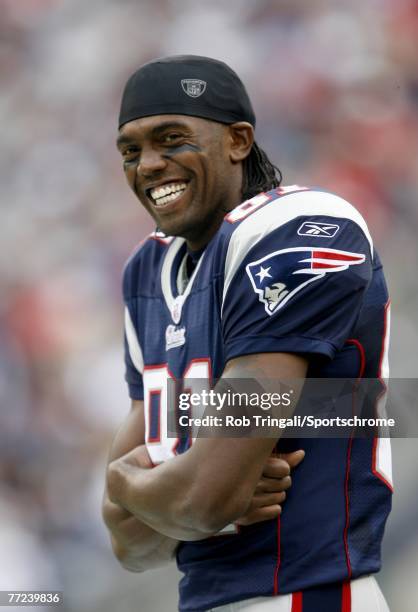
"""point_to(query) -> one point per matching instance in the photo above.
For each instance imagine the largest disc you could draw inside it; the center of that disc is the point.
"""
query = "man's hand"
(270, 491)
(118, 519)
(130, 538)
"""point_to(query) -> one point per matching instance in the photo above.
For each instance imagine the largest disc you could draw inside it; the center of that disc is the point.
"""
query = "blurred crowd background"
(335, 88)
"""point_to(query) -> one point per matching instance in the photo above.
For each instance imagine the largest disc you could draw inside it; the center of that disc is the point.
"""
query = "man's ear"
(241, 138)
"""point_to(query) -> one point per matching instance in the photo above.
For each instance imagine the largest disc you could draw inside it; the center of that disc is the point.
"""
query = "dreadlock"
(259, 173)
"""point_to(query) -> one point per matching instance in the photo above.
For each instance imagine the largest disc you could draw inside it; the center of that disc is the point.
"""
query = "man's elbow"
(112, 519)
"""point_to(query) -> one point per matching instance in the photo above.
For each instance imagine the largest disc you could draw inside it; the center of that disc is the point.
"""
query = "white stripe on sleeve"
(133, 343)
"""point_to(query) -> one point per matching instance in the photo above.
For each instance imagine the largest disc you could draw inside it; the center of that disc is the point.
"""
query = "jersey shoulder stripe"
(279, 211)
(134, 347)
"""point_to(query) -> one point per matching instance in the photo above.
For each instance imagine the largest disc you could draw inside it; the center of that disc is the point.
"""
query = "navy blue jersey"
(293, 270)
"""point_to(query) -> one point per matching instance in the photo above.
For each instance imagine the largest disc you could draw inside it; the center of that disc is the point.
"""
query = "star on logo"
(264, 273)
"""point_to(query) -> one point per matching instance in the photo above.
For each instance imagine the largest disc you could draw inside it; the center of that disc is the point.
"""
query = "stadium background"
(335, 88)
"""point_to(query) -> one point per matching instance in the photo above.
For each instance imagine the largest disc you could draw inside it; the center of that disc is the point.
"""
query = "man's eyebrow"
(123, 139)
(169, 125)
(162, 127)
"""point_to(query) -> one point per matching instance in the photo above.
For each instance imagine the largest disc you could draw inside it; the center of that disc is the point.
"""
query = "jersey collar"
(175, 303)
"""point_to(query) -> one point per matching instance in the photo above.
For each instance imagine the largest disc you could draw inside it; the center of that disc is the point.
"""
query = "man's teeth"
(167, 193)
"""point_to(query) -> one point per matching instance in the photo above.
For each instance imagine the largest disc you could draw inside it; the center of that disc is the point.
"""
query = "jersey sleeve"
(295, 282)
(134, 362)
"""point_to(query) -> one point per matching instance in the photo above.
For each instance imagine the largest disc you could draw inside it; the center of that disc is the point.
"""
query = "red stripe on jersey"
(362, 353)
(347, 507)
(346, 597)
(337, 255)
(276, 571)
(297, 602)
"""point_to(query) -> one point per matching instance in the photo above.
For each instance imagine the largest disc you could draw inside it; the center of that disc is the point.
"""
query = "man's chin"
(177, 227)
(173, 229)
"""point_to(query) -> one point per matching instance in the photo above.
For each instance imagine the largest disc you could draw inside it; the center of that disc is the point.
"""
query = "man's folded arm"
(198, 493)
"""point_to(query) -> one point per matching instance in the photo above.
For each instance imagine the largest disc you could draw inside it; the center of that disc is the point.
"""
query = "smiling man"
(184, 199)
(244, 279)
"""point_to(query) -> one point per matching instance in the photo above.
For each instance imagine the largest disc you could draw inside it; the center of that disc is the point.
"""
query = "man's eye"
(130, 154)
(171, 138)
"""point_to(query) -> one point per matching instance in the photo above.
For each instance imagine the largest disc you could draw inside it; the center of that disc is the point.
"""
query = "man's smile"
(166, 193)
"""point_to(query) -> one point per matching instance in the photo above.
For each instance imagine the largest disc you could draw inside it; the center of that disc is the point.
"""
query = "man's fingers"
(267, 499)
(279, 466)
(276, 467)
(260, 514)
(293, 459)
(273, 485)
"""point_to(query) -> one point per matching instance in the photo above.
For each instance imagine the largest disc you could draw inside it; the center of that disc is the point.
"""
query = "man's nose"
(151, 161)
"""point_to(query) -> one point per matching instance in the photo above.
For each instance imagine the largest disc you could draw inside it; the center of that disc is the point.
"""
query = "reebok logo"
(318, 229)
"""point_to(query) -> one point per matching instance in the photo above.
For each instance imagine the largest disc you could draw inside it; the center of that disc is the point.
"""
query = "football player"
(244, 279)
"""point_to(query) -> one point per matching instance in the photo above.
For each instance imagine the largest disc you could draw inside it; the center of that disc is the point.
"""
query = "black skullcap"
(186, 85)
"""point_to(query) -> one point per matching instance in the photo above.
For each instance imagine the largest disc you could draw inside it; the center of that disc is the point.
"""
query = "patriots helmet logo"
(277, 277)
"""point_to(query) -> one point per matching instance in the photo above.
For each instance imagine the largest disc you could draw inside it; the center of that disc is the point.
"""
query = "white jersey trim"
(384, 367)
(172, 251)
(383, 450)
(135, 351)
(279, 212)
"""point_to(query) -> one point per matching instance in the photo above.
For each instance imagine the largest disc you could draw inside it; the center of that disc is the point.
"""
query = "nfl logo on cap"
(193, 87)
